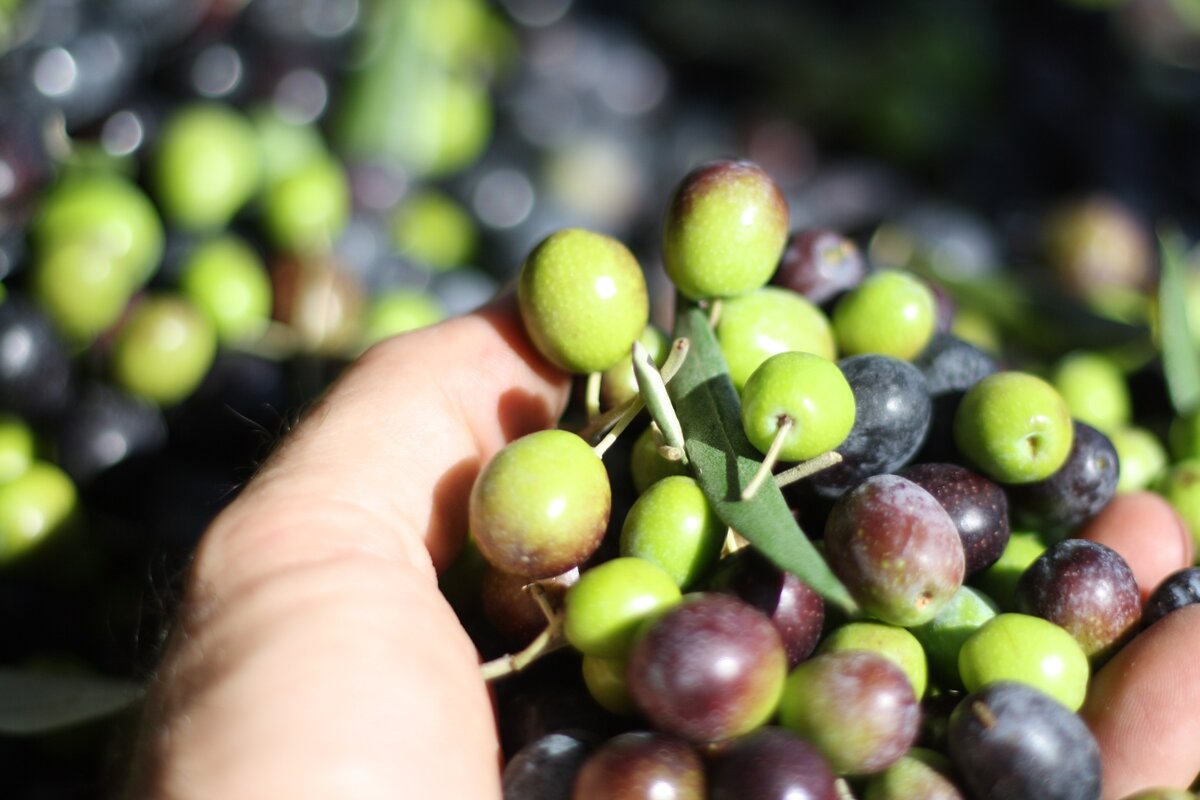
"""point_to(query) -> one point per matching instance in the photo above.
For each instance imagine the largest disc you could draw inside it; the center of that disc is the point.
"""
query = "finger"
(1144, 708)
(1144, 529)
(413, 420)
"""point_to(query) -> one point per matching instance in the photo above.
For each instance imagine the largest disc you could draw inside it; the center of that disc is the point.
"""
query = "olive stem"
(984, 714)
(672, 453)
(548, 641)
(806, 468)
(618, 419)
(660, 444)
(615, 432)
(653, 389)
(606, 420)
(538, 591)
(843, 789)
(786, 424)
(734, 541)
(592, 395)
(714, 312)
(657, 436)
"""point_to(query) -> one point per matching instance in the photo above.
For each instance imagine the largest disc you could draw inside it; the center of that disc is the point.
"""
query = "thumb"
(400, 438)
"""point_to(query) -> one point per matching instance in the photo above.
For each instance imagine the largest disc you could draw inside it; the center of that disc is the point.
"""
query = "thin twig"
(634, 406)
(654, 391)
(548, 641)
(591, 397)
(786, 424)
(671, 453)
(615, 432)
(714, 312)
(734, 541)
(599, 424)
(538, 591)
(807, 468)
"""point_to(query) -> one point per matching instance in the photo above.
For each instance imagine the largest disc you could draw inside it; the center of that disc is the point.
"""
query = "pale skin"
(316, 658)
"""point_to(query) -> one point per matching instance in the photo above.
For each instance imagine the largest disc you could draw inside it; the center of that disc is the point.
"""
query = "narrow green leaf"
(1040, 316)
(723, 461)
(38, 702)
(658, 401)
(1181, 362)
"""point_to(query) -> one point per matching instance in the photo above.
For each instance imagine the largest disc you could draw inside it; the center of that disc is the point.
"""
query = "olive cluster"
(958, 663)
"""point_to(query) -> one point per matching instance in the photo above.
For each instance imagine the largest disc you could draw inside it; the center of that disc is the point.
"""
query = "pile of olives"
(642, 642)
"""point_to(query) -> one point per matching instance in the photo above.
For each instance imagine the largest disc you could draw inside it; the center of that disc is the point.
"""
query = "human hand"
(315, 657)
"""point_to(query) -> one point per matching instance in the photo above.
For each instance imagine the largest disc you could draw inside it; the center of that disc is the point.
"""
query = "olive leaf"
(1181, 362)
(39, 702)
(723, 461)
(1039, 315)
(654, 393)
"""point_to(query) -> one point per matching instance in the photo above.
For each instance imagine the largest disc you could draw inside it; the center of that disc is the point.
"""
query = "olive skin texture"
(999, 581)
(889, 641)
(545, 769)
(762, 323)
(1088, 589)
(1141, 457)
(541, 505)
(1180, 484)
(820, 264)
(106, 213)
(726, 228)
(797, 611)
(771, 764)
(583, 300)
(891, 420)
(226, 279)
(33, 508)
(1015, 427)
(710, 669)
(35, 366)
(808, 389)
(641, 766)
(920, 773)
(1076, 492)
(943, 636)
(608, 685)
(1020, 647)
(950, 364)
(672, 525)
(1012, 742)
(978, 507)
(608, 607)
(512, 609)
(1179, 589)
(896, 549)
(891, 313)
(857, 707)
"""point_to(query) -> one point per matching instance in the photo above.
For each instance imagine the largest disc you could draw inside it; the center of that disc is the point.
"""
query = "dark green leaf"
(1039, 316)
(723, 461)
(39, 702)
(1180, 362)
